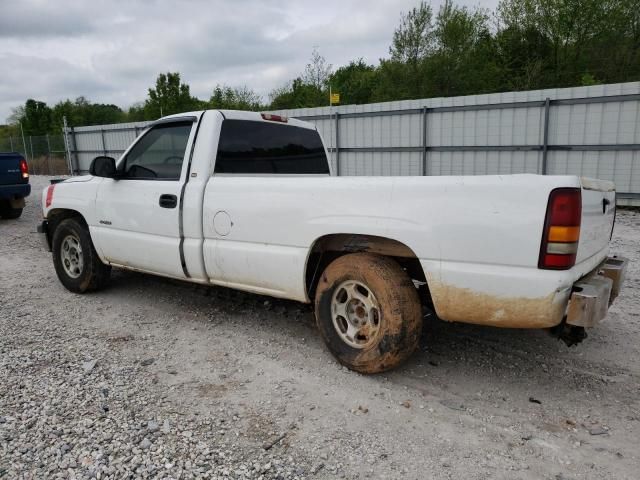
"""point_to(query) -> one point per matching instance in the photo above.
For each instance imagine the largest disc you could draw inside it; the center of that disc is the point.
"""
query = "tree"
(16, 116)
(412, 43)
(239, 98)
(136, 112)
(413, 39)
(554, 43)
(317, 72)
(355, 82)
(37, 118)
(463, 59)
(532, 44)
(82, 112)
(308, 90)
(298, 94)
(170, 96)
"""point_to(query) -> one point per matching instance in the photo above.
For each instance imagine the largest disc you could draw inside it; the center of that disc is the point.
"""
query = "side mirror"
(103, 167)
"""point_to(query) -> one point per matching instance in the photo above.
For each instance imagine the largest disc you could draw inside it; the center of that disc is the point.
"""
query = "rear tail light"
(561, 229)
(49, 198)
(24, 168)
(274, 118)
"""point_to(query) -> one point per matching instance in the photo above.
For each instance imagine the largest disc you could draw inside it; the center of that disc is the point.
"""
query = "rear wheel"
(368, 312)
(75, 259)
(10, 213)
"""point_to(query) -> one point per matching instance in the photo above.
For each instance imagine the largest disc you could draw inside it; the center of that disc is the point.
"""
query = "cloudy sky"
(111, 51)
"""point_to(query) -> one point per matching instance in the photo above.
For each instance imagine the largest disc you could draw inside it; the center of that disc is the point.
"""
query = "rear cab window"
(254, 147)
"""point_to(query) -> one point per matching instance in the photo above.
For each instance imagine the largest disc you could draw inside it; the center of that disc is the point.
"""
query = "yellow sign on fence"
(335, 98)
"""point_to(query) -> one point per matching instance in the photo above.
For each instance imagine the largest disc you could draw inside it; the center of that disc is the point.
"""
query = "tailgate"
(598, 213)
(10, 169)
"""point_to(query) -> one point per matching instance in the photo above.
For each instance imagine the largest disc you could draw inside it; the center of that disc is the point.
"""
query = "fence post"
(545, 138)
(48, 155)
(24, 143)
(31, 144)
(67, 147)
(104, 144)
(337, 145)
(75, 168)
(424, 141)
(11, 143)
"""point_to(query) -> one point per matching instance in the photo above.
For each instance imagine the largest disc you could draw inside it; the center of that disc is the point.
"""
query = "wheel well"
(58, 215)
(329, 247)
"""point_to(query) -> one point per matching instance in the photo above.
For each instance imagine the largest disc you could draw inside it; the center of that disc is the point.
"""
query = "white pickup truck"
(247, 200)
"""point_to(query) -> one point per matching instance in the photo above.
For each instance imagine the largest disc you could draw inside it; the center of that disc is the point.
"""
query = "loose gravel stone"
(153, 378)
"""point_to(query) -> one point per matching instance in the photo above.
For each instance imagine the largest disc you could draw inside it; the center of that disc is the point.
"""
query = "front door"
(139, 212)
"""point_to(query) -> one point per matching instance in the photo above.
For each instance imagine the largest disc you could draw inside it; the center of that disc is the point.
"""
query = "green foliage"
(170, 96)
(136, 112)
(587, 80)
(355, 82)
(555, 43)
(298, 94)
(10, 130)
(413, 43)
(83, 112)
(36, 119)
(523, 45)
(463, 60)
(227, 98)
(317, 72)
(311, 89)
(413, 39)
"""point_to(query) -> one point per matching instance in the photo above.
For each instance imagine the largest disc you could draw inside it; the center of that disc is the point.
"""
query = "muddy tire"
(368, 312)
(75, 259)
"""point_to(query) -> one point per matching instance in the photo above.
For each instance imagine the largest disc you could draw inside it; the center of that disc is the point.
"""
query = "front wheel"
(368, 312)
(75, 259)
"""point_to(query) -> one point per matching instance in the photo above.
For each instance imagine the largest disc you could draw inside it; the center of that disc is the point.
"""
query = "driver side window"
(159, 154)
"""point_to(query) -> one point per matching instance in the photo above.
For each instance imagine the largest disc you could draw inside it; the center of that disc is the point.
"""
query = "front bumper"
(592, 295)
(43, 230)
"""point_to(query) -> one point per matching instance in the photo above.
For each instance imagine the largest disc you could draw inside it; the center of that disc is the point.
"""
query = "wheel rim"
(355, 313)
(71, 256)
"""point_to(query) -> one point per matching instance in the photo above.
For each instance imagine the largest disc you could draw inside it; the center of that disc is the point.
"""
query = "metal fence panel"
(45, 154)
(380, 164)
(588, 131)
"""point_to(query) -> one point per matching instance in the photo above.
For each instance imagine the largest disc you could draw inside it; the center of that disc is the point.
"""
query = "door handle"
(168, 201)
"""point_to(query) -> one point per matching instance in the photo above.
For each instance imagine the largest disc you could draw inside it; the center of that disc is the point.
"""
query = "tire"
(10, 213)
(387, 320)
(75, 259)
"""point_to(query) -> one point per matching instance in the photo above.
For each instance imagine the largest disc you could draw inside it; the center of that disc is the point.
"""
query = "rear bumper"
(13, 192)
(505, 296)
(591, 296)
(43, 232)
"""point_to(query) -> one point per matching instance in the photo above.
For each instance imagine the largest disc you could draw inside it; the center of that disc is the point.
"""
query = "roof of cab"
(243, 115)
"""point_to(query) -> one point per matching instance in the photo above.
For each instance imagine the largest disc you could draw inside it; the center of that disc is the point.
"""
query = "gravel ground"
(152, 378)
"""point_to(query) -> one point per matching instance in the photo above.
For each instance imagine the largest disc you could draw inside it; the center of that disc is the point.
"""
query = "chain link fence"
(45, 154)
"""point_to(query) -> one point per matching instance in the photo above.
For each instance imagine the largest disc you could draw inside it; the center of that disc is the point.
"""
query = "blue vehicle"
(14, 184)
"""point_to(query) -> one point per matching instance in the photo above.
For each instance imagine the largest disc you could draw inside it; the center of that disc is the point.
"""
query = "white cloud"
(112, 51)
